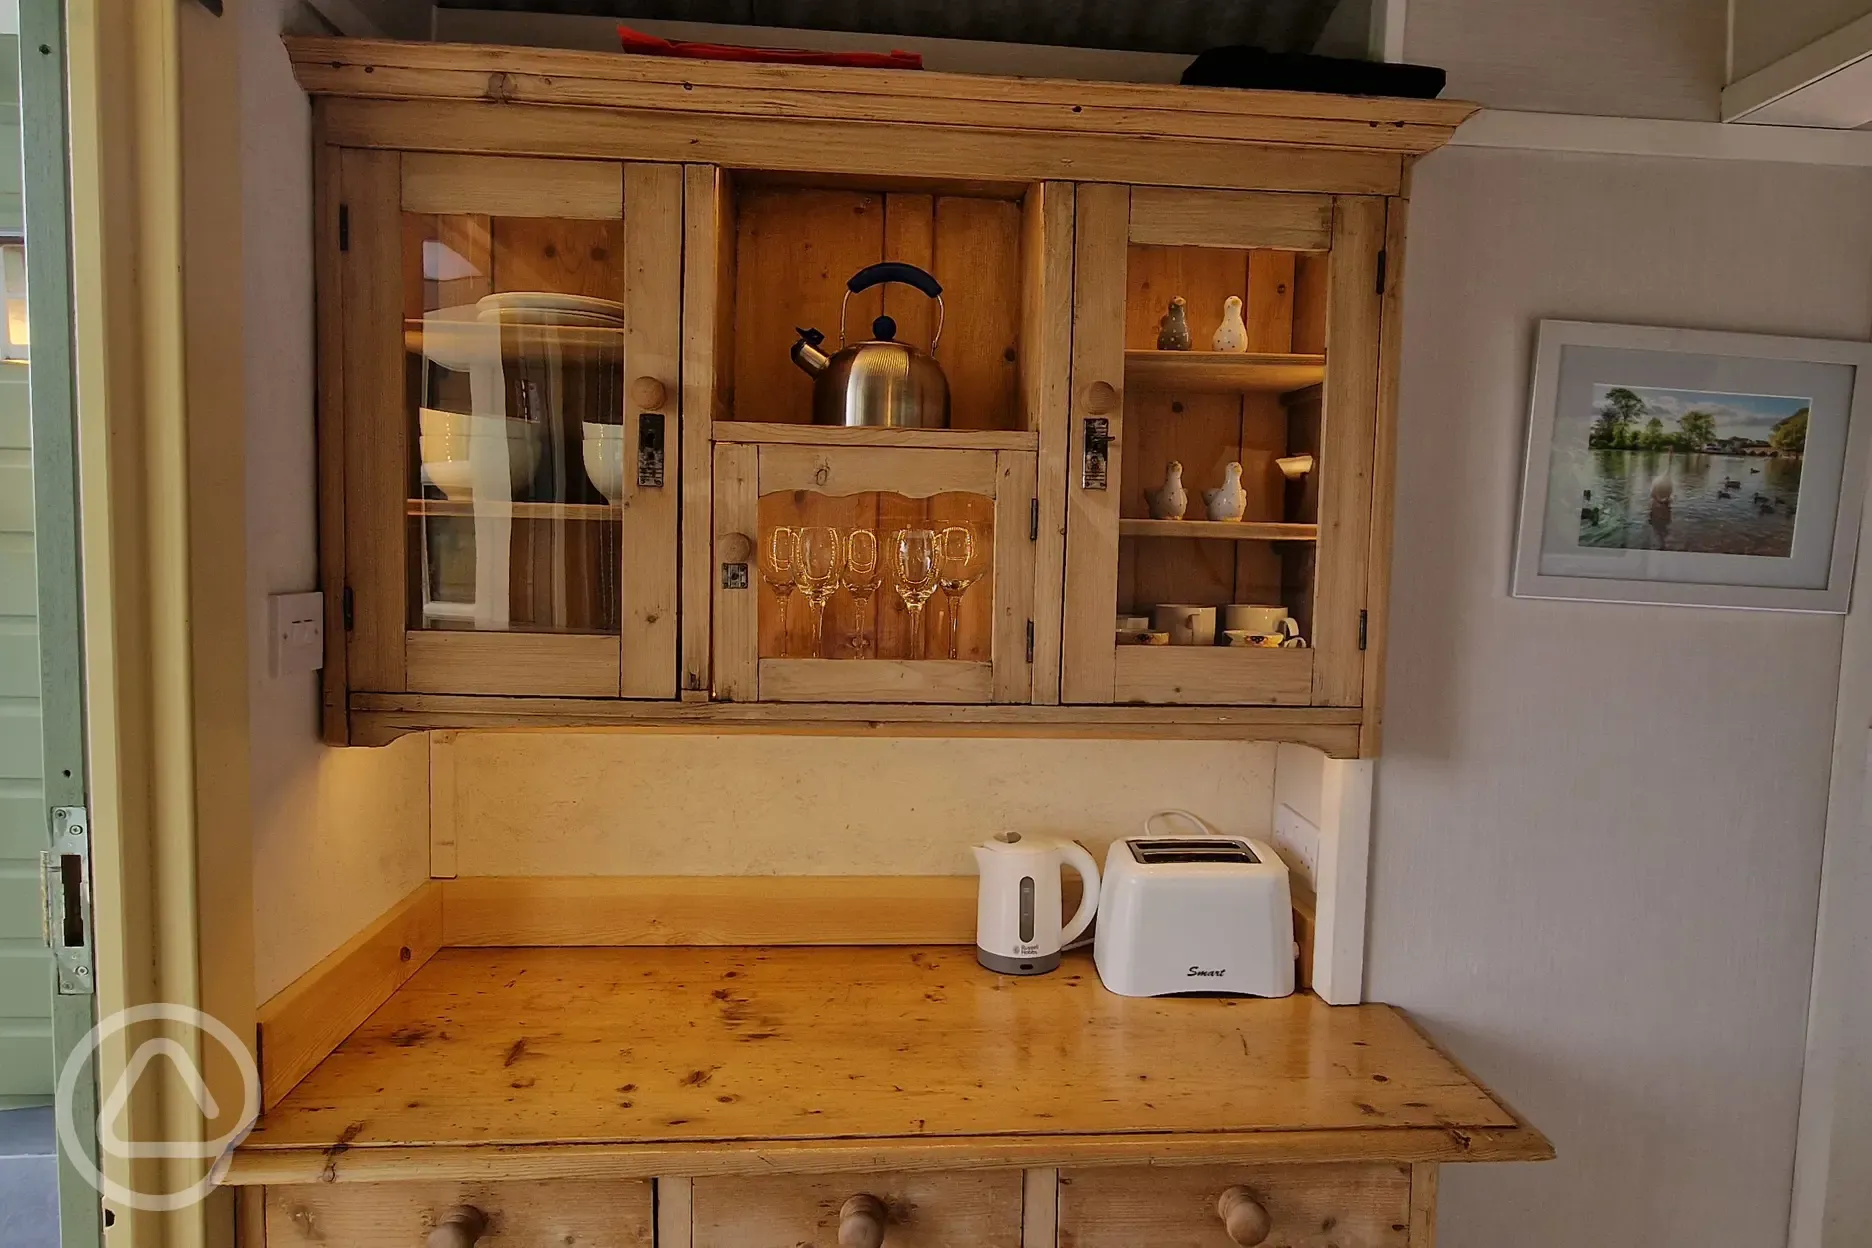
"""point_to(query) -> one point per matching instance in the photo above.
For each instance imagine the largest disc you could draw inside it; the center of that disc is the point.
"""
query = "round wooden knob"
(649, 394)
(1101, 398)
(460, 1227)
(861, 1222)
(1244, 1218)
(734, 547)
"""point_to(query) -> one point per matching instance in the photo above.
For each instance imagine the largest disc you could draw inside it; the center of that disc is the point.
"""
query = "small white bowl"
(450, 441)
(604, 459)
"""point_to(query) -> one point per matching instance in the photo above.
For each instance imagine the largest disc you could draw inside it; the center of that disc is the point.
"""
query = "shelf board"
(1221, 371)
(518, 510)
(841, 435)
(1220, 530)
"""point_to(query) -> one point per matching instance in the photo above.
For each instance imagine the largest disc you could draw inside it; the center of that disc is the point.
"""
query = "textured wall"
(1598, 828)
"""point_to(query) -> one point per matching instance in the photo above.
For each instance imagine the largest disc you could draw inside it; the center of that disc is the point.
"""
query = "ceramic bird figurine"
(1227, 501)
(1232, 333)
(1168, 501)
(1173, 331)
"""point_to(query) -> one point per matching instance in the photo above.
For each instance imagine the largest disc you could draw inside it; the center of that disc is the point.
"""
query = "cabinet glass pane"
(1220, 397)
(912, 575)
(514, 347)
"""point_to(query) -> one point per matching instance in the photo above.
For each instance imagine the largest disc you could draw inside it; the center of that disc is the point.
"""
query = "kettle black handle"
(894, 271)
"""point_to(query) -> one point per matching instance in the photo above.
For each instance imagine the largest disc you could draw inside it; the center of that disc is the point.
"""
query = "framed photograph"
(1693, 468)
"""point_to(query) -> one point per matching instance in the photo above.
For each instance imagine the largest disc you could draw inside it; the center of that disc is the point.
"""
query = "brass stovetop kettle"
(881, 382)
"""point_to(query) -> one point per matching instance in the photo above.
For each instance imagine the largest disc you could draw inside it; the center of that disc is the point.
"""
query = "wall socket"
(296, 633)
(1297, 839)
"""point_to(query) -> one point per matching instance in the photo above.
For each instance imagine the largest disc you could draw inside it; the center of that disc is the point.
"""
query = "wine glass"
(862, 576)
(779, 567)
(913, 551)
(819, 559)
(960, 562)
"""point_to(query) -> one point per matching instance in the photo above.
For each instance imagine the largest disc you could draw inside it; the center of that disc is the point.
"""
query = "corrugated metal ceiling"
(1130, 25)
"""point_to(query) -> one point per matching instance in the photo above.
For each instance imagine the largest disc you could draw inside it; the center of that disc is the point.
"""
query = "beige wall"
(339, 835)
(1615, 58)
(599, 804)
(1598, 828)
(1764, 31)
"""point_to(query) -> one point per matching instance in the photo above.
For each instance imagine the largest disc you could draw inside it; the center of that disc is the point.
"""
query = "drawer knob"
(460, 1227)
(649, 394)
(861, 1222)
(1244, 1217)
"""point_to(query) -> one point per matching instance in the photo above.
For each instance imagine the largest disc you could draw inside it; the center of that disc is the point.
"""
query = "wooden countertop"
(512, 1062)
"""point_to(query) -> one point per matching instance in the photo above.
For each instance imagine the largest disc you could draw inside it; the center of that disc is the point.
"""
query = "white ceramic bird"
(1227, 501)
(1169, 500)
(1232, 333)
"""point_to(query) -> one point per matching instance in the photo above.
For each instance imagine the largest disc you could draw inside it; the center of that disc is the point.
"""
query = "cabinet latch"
(344, 227)
(66, 887)
(1033, 521)
(1092, 470)
(1030, 642)
(349, 617)
(650, 450)
(1361, 630)
(1384, 264)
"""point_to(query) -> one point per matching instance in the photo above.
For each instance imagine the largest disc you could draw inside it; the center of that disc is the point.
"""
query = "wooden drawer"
(563, 1213)
(1348, 1206)
(962, 1209)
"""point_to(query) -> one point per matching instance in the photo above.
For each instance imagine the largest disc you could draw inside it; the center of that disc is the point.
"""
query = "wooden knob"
(460, 1227)
(1244, 1218)
(861, 1222)
(734, 547)
(649, 394)
(1101, 398)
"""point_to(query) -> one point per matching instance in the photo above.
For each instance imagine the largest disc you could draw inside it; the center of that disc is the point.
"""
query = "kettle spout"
(806, 353)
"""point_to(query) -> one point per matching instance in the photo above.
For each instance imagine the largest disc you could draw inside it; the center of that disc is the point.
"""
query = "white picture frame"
(1724, 509)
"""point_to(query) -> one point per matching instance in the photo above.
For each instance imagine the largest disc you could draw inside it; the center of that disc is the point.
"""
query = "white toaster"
(1195, 914)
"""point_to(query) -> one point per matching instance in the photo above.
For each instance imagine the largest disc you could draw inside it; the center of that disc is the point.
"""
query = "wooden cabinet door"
(891, 636)
(500, 423)
(1286, 399)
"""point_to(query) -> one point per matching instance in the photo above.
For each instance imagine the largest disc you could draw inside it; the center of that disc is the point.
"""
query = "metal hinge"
(1033, 521)
(1384, 264)
(1361, 630)
(1030, 641)
(344, 227)
(350, 616)
(65, 884)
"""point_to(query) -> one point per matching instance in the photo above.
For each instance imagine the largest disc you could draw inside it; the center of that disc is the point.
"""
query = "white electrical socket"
(1297, 839)
(296, 624)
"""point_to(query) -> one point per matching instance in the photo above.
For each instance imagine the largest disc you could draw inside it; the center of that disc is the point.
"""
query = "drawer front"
(961, 1209)
(563, 1213)
(1349, 1206)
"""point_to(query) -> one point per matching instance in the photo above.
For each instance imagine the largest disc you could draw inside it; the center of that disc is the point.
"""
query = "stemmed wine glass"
(779, 567)
(914, 554)
(819, 559)
(862, 576)
(960, 560)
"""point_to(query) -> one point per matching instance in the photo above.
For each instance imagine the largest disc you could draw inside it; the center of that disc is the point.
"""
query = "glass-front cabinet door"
(510, 336)
(1219, 490)
(873, 573)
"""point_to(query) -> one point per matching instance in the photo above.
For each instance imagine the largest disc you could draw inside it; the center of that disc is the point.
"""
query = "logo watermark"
(111, 1109)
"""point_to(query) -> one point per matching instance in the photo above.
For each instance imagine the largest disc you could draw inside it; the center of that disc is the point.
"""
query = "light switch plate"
(296, 640)
(1297, 840)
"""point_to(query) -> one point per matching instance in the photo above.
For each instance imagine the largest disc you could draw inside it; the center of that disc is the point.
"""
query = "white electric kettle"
(1017, 911)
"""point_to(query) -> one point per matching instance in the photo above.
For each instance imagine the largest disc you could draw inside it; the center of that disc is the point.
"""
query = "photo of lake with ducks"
(1688, 470)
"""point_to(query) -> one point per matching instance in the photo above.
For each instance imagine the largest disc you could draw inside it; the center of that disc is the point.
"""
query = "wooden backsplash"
(616, 804)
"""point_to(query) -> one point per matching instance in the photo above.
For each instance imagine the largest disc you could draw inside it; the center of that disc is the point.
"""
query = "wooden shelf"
(1220, 530)
(840, 435)
(518, 510)
(529, 1058)
(379, 718)
(1221, 371)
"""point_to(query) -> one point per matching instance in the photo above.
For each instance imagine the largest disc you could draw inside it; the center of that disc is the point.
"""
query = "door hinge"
(65, 884)
(344, 227)
(350, 616)
(1033, 521)
(1361, 630)
(1030, 641)
(1384, 264)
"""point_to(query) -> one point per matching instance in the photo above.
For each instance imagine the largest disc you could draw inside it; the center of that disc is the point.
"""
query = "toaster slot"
(1212, 849)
